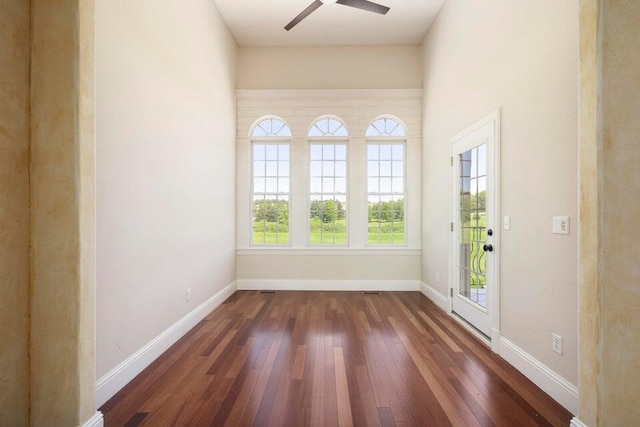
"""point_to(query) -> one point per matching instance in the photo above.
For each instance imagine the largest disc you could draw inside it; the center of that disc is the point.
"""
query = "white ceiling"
(261, 23)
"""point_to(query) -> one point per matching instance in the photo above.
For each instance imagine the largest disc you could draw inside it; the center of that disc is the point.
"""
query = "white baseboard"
(575, 422)
(95, 421)
(114, 380)
(328, 285)
(561, 390)
(435, 296)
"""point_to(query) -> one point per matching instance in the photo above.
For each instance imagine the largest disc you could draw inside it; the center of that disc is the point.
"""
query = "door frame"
(494, 340)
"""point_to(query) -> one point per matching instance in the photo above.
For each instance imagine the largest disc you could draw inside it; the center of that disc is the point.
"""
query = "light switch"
(560, 225)
(507, 222)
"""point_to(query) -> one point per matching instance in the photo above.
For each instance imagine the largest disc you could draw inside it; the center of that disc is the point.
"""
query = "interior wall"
(619, 278)
(166, 125)
(522, 58)
(14, 212)
(330, 67)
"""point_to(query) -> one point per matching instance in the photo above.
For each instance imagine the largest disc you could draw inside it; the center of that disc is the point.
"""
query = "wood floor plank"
(330, 359)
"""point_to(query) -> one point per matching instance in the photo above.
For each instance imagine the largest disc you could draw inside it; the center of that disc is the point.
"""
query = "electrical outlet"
(556, 344)
(437, 278)
(188, 294)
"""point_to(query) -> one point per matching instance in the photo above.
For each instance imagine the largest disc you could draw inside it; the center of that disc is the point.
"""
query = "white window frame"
(386, 140)
(269, 140)
(326, 140)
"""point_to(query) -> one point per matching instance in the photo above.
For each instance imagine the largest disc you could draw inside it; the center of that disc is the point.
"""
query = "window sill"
(386, 251)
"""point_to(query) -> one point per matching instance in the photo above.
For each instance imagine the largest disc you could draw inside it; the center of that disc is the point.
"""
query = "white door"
(474, 224)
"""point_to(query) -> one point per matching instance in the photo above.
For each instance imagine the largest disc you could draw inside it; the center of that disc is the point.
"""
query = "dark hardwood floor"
(330, 359)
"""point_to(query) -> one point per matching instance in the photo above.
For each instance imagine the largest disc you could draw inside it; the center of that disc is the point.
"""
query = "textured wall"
(14, 212)
(330, 67)
(521, 57)
(165, 111)
(620, 204)
(62, 226)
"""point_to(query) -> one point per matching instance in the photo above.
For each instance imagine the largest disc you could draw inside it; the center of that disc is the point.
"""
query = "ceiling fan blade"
(365, 5)
(311, 8)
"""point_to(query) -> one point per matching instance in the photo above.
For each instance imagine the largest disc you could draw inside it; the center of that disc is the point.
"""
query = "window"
(386, 193)
(328, 127)
(328, 186)
(271, 127)
(270, 183)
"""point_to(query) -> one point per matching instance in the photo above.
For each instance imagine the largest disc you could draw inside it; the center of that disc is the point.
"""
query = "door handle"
(488, 248)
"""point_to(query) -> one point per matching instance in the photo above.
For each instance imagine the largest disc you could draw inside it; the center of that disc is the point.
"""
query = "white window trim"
(327, 141)
(386, 140)
(271, 140)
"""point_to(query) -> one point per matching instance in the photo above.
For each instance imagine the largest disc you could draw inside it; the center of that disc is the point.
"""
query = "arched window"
(328, 126)
(386, 183)
(272, 126)
(328, 182)
(386, 126)
(270, 181)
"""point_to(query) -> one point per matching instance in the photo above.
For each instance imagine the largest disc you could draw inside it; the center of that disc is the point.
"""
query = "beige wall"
(610, 179)
(521, 57)
(329, 267)
(62, 367)
(165, 167)
(330, 67)
(14, 212)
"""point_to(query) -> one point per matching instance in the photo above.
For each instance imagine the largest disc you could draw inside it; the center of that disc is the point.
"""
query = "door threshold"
(471, 329)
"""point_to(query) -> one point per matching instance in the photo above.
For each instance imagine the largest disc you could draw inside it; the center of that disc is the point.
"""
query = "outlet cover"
(556, 343)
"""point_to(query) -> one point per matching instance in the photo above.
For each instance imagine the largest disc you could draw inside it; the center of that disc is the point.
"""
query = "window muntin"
(386, 127)
(271, 127)
(327, 127)
(271, 167)
(386, 193)
(328, 194)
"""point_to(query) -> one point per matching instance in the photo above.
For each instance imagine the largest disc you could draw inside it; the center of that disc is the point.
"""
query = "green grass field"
(333, 233)
(475, 237)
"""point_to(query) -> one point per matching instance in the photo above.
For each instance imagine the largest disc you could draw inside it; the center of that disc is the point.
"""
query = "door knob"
(488, 248)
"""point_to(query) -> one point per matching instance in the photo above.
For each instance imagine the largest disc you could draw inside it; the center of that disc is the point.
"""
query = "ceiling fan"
(358, 4)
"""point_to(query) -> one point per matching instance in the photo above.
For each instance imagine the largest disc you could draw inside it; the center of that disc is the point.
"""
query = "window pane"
(373, 185)
(385, 168)
(385, 187)
(316, 152)
(270, 195)
(398, 152)
(283, 168)
(258, 152)
(316, 169)
(385, 152)
(283, 152)
(272, 152)
(328, 152)
(398, 169)
(316, 185)
(373, 168)
(258, 168)
(327, 215)
(272, 168)
(372, 152)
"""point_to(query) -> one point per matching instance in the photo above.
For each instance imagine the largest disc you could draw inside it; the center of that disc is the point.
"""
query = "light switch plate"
(507, 222)
(560, 225)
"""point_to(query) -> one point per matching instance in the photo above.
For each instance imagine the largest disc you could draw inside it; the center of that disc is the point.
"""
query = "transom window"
(271, 127)
(328, 127)
(386, 127)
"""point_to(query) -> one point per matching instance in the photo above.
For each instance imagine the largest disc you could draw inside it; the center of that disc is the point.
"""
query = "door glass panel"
(473, 225)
